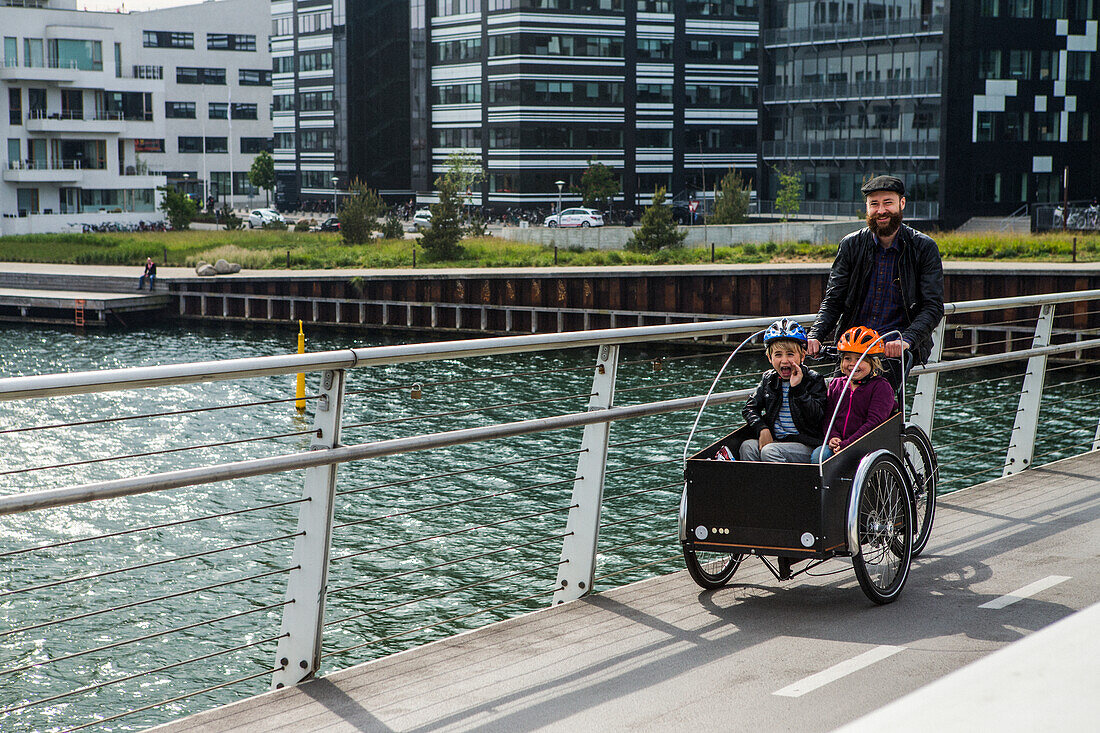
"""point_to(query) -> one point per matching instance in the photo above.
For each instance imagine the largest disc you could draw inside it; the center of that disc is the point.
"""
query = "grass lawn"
(256, 249)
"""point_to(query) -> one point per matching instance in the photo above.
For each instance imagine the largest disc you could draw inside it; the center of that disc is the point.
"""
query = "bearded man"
(887, 276)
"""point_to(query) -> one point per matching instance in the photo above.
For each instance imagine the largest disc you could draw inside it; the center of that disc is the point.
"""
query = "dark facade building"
(979, 105)
(661, 91)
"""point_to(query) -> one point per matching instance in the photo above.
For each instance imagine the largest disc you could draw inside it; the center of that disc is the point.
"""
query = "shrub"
(276, 225)
(359, 214)
(302, 225)
(441, 241)
(749, 249)
(657, 231)
(179, 208)
(732, 203)
(392, 228)
(769, 248)
(231, 220)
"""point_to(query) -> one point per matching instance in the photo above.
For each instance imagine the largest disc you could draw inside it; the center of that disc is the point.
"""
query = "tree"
(598, 187)
(731, 205)
(359, 213)
(441, 240)
(789, 198)
(657, 230)
(262, 174)
(179, 207)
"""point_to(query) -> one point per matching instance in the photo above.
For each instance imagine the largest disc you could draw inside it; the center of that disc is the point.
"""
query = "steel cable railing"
(162, 452)
(466, 411)
(143, 566)
(448, 563)
(146, 528)
(451, 474)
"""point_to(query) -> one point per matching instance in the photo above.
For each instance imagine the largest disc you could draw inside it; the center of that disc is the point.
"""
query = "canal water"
(426, 544)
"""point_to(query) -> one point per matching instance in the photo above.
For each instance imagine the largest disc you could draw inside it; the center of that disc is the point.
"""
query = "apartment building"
(661, 91)
(104, 108)
(980, 106)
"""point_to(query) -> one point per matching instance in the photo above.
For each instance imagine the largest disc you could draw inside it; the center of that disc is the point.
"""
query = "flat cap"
(883, 183)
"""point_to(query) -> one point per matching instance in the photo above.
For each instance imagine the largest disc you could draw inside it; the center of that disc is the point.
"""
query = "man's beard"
(884, 230)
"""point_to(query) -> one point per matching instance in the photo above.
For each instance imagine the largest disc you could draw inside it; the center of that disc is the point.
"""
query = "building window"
(315, 101)
(1079, 65)
(168, 39)
(1053, 8)
(315, 140)
(11, 51)
(725, 9)
(255, 144)
(315, 22)
(148, 145)
(464, 137)
(654, 92)
(654, 49)
(282, 26)
(1015, 126)
(34, 55)
(230, 42)
(66, 53)
(991, 8)
(244, 111)
(653, 138)
(254, 78)
(282, 103)
(989, 63)
(316, 60)
(1019, 64)
(1021, 8)
(199, 75)
(317, 180)
(217, 145)
(284, 140)
(720, 49)
(987, 188)
(218, 111)
(147, 72)
(283, 64)
(189, 144)
(654, 6)
(457, 7)
(1078, 127)
(179, 110)
(458, 94)
(467, 49)
(985, 132)
(1046, 126)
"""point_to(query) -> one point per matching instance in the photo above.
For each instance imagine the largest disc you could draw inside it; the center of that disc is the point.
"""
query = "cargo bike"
(873, 501)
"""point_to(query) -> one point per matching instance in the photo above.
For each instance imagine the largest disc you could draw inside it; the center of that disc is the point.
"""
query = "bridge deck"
(810, 654)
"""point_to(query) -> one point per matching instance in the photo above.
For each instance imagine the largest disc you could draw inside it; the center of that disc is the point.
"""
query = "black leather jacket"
(920, 272)
(807, 400)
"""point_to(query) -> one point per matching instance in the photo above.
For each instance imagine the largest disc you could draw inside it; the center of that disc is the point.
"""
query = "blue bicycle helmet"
(785, 328)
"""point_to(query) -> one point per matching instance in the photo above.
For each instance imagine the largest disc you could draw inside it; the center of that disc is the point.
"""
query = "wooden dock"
(1007, 559)
(78, 307)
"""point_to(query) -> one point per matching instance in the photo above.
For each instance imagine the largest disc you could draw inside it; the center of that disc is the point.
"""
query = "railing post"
(924, 399)
(299, 649)
(578, 552)
(1021, 443)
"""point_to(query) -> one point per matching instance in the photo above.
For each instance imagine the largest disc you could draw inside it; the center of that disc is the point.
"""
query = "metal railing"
(861, 32)
(824, 150)
(208, 546)
(844, 209)
(851, 90)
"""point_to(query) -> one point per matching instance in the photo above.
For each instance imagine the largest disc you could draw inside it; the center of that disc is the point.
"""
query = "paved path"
(1007, 559)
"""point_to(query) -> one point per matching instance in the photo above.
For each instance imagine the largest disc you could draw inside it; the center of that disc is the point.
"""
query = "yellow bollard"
(300, 392)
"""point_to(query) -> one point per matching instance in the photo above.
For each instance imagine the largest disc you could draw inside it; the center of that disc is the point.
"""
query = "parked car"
(422, 219)
(576, 217)
(264, 217)
(331, 224)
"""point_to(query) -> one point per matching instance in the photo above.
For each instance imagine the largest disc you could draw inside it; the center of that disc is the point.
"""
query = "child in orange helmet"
(869, 400)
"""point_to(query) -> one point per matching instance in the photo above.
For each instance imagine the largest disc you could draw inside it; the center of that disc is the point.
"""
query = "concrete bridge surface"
(1007, 559)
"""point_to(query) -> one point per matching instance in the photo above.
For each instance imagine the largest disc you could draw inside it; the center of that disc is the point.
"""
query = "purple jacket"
(865, 409)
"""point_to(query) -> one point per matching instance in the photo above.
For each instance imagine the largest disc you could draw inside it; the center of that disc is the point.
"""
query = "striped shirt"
(784, 423)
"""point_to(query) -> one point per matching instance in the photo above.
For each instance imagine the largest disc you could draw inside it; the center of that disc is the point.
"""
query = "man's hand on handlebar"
(813, 346)
(894, 349)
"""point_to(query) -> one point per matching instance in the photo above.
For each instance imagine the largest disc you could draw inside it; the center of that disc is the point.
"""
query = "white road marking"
(1026, 592)
(825, 676)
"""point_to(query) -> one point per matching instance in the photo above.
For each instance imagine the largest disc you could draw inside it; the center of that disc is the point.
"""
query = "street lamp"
(185, 177)
(335, 180)
(559, 184)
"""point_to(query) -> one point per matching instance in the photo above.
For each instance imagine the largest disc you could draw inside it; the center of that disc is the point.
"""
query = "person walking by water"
(887, 277)
(150, 274)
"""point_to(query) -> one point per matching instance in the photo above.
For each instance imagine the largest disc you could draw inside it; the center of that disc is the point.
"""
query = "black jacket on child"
(807, 400)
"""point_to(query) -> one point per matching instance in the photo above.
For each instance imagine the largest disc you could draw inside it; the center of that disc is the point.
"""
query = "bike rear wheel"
(711, 569)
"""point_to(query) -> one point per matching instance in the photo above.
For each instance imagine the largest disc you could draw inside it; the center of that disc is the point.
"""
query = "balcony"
(865, 32)
(56, 72)
(860, 91)
(103, 123)
(41, 171)
(828, 150)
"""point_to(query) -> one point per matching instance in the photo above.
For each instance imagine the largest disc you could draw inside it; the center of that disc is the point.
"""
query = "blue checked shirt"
(882, 308)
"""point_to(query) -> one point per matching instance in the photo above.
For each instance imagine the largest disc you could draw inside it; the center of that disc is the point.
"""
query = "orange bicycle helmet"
(856, 340)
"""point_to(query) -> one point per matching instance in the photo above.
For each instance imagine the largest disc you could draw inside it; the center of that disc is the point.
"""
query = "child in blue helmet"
(788, 407)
